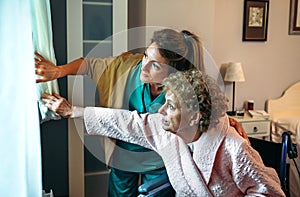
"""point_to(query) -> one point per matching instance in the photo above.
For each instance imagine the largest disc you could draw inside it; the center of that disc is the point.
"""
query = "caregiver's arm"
(49, 71)
(92, 67)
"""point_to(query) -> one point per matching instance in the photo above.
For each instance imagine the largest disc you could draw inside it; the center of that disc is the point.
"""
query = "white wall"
(269, 67)
(191, 15)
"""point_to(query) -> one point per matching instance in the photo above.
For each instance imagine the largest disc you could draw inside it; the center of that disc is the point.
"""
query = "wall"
(191, 15)
(269, 67)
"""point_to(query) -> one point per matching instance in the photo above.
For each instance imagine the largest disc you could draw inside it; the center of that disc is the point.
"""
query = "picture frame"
(255, 21)
(294, 20)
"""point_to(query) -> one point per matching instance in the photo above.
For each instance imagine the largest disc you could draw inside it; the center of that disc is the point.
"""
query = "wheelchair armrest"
(152, 184)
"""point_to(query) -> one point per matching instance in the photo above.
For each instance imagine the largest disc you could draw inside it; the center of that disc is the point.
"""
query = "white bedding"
(287, 122)
(285, 116)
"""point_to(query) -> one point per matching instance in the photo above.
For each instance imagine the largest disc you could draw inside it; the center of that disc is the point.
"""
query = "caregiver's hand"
(61, 106)
(46, 69)
(238, 127)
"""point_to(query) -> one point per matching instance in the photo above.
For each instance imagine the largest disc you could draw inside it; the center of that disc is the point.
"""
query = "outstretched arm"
(61, 106)
(49, 71)
(119, 124)
(146, 130)
(142, 129)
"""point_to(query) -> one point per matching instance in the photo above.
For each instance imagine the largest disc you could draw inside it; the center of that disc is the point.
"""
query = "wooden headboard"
(288, 102)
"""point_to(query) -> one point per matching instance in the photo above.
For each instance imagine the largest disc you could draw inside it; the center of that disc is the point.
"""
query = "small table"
(258, 127)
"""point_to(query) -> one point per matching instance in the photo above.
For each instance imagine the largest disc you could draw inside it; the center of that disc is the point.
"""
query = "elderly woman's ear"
(195, 118)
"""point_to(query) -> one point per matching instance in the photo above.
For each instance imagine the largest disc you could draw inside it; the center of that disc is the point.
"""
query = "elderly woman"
(203, 154)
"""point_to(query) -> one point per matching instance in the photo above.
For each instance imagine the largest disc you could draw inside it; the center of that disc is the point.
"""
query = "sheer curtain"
(43, 43)
(20, 149)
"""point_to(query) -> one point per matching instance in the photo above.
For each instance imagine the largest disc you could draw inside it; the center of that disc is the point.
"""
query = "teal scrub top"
(137, 97)
(139, 94)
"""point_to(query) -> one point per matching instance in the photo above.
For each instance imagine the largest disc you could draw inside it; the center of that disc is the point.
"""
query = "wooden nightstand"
(255, 127)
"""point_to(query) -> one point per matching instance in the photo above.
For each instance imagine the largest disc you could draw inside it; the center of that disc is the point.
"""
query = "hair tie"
(186, 36)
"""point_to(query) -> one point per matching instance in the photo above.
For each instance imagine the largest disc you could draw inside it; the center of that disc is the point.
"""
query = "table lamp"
(234, 73)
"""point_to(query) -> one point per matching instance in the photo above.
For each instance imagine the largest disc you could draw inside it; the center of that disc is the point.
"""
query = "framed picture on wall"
(294, 24)
(255, 22)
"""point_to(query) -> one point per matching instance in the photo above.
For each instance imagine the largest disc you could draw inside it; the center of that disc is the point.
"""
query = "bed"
(285, 116)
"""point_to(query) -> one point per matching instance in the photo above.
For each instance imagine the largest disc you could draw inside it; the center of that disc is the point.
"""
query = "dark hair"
(183, 50)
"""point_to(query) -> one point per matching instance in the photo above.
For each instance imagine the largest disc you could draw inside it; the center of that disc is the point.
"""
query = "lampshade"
(234, 72)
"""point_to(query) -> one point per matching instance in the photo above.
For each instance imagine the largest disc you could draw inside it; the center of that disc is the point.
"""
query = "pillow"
(289, 123)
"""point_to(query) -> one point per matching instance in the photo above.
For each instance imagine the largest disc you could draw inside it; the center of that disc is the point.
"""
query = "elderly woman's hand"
(58, 105)
(238, 127)
(46, 69)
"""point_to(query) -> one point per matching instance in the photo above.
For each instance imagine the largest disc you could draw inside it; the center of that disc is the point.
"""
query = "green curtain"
(43, 44)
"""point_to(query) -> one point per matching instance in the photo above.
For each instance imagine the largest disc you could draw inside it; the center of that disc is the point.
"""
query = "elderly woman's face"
(175, 117)
(154, 66)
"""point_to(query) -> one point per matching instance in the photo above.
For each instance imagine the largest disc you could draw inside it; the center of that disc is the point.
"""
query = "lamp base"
(231, 113)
